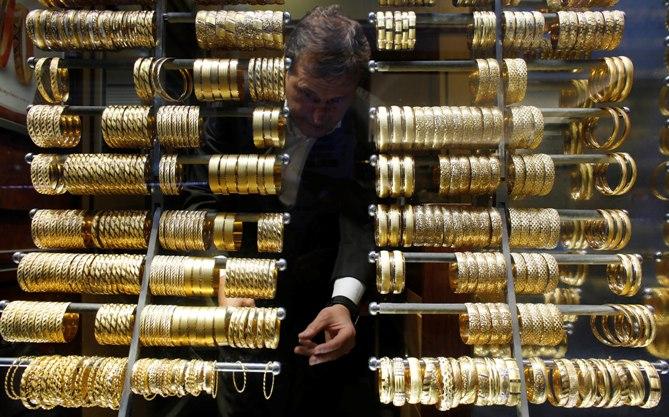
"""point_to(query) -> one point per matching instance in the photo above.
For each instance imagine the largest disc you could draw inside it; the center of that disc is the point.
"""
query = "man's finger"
(314, 327)
(339, 341)
(308, 343)
(316, 359)
(303, 350)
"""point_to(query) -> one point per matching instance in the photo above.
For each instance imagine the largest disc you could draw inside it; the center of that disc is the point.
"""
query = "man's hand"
(339, 330)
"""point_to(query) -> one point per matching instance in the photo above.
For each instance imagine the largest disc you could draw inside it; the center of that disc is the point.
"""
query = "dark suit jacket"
(330, 233)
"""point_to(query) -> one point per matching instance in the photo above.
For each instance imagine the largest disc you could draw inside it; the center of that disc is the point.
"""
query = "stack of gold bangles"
(408, 128)
(179, 126)
(67, 381)
(448, 382)
(390, 272)
(485, 324)
(173, 377)
(216, 79)
(243, 30)
(53, 82)
(484, 33)
(101, 174)
(535, 273)
(524, 127)
(395, 30)
(628, 175)
(129, 229)
(574, 277)
(128, 126)
(170, 175)
(270, 233)
(437, 226)
(541, 324)
(575, 94)
(146, 75)
(611, 80)
(51, 127)
(269, 124)
(485, 80)
(241, 277)
(244, 174)
(586, 132)
(483, 272)
(468, 175)
(488, 75)
(114, 323)
(38, 322)
(78, 229)
(46, 174)
(568, 296)
(227, 234)
(534, 228)
(184, 276)
(250, 278)
(624, 278)
(585, 383)
(81, 273)
(523, 32)
(582, 182)
(95, 174)
(91, 29)
(185, 230)
(531, 175)
(577, 33)
(245, 327)
(613, 231)
(632, 325)
(266, 79)
(395, 176)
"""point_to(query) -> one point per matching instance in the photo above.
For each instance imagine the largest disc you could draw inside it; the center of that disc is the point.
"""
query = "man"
(326, 188)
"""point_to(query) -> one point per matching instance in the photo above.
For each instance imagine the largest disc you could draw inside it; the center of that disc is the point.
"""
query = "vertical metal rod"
(522, 409)
(156, 207)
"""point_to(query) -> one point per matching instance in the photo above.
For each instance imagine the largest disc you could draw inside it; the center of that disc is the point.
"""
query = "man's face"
(316, 104)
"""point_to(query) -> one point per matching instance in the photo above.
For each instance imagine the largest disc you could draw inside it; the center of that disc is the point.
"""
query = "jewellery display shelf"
(99, 63)
(545, 76)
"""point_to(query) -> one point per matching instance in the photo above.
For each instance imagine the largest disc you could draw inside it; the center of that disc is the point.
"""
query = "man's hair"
(333, 44)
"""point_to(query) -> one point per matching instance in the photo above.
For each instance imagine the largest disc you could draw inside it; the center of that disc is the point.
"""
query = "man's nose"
(319, 115)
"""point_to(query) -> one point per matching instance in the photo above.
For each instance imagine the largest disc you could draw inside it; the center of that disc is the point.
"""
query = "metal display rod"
(661, 366)
(107, 63)
(451, 20)
(94, 307)
(281, 263)
(438, 308)
(470, 65)
(188, 17)
(565, 215)
(186, 160)
(204, 159)
(553, 112)
(243, 217)
(204, 111)
(252, 367)
(558, 160)
(561, 258)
